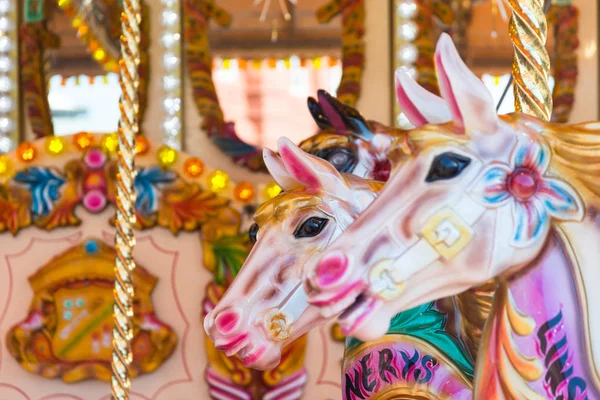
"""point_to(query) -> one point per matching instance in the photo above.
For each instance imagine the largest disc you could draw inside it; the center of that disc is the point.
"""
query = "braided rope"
(124, 239)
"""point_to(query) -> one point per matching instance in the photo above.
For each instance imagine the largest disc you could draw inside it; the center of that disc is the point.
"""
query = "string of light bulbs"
(172, 73)
(8, 76)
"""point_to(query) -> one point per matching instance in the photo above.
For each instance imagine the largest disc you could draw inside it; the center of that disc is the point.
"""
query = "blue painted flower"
(44, 185)
(534, 196)
(147, 183)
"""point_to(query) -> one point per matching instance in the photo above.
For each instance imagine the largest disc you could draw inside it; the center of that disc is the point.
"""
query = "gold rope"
(531, 65)
(125, 239)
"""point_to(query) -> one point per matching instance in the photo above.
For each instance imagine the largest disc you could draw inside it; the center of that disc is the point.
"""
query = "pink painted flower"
(94, 201)
(94, 158)
(534, 196)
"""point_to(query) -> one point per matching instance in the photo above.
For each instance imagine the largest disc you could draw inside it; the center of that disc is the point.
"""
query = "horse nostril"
(227, 321)
(331, 269)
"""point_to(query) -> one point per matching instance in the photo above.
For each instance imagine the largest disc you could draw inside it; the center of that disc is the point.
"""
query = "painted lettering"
(409, 363)
(378, 369)
(353, 386)
(367, 371)
(559, 379)
(428, 363)
(385, 365)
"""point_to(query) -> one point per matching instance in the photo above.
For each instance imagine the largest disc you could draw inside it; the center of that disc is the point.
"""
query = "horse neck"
(538, 340)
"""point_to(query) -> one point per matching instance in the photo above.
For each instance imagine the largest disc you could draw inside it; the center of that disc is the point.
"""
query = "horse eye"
(342, 159)
(253, 232)
(310, 228)
(446, 166)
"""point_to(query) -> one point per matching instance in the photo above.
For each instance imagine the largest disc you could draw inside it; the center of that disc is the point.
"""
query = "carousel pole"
(125, 239)
(531, 64)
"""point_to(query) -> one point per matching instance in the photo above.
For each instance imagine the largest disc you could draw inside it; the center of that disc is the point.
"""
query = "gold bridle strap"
(125, 221)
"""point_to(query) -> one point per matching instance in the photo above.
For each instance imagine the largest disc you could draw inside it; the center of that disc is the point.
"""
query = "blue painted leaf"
(147, 185)
(44, 185)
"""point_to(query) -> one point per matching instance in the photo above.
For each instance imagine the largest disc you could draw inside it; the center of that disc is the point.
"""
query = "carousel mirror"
(479, 28)
(70, 66)
(267, 58)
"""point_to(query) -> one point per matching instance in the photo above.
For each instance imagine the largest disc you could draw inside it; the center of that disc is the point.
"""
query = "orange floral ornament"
(244, 192)
(142, 145)
(83, 140)
(185, 206)
(26, 151)
(14, 209)
(193, 167)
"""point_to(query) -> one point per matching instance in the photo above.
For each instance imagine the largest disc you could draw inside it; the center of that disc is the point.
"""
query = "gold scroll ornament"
(67, 331)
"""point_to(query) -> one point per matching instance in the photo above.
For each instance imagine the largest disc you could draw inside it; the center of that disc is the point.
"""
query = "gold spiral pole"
(531, 65)
(125, 239)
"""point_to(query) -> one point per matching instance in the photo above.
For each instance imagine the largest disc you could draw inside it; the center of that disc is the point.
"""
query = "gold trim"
(397, 392)
(76, 264)
(395, 338)
(449, 217)
(565, 241)
(508, 367)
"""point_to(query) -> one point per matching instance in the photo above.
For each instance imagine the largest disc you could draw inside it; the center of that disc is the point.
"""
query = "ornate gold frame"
(35, 38)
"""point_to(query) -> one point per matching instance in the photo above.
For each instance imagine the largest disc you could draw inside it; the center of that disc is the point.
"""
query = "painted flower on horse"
(534, 195)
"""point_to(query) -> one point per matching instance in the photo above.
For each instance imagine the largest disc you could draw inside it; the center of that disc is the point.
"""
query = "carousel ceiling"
(255, 31)
(273, 31)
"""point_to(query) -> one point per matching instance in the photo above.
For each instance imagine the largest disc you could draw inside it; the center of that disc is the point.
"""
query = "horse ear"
(342, 117)
(470, 102)
(309, 171)
(420, 106)
(277, 170)
(317, 113)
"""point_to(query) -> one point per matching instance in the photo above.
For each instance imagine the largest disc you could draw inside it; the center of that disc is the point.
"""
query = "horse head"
(265, 308)
(470, 200)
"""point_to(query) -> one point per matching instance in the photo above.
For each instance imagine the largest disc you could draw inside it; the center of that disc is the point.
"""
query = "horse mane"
(576, 157)
(300, 197)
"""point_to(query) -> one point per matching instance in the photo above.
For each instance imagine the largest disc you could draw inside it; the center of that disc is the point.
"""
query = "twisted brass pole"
(531, 65)
(125, 239)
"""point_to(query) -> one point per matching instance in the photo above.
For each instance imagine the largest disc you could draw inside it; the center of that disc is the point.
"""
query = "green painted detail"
(427, 324)
(33, 10)
(230, 253)
(85, 331)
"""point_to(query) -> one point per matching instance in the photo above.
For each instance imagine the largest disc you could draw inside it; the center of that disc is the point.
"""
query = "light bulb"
(406, 9)
(170, 18)
(170, 83)
(5, 6)
(5, 24)
(6, 144)
(5, 64)
(6, 104)
(170, 38)
(172, 105)
(407, 31)
(5, 44)
(5, 84)
(6, 125)
(407, 54)
(170, 61)
(172, 126)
